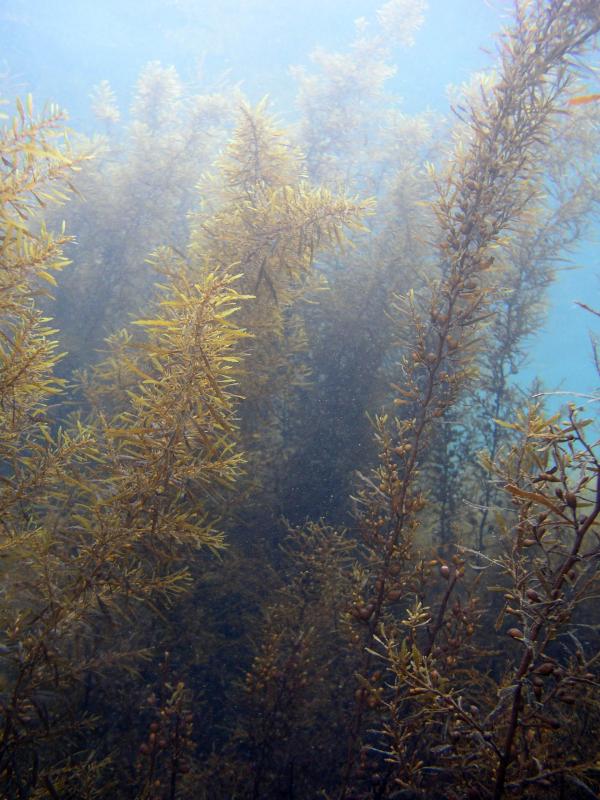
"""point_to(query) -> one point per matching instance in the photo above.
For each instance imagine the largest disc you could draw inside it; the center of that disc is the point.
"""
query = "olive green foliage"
(342, 114)
(441, 332)
(135, 195)
(565, 203)
(262, 218)
(352, 131)
(102, 516)
(323, 322)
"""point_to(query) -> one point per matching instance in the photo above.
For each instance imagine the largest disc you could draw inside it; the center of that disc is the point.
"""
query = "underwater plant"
(36, 170)
(165, 633)
(101, 516)
(486, 189)
(525, 265)
(261, 218)
(350, 330)
(134, 196)
(343, 104)
(500, 722)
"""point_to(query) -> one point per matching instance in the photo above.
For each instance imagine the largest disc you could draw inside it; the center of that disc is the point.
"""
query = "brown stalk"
(535, 633)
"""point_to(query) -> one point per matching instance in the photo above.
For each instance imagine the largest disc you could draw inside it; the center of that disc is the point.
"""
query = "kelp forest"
(276, 518)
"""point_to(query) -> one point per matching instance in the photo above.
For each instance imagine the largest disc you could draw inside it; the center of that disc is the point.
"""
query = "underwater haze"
(59, 50)
(299, 377)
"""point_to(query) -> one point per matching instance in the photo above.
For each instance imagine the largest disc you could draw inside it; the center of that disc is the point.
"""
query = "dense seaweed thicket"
(275, 519)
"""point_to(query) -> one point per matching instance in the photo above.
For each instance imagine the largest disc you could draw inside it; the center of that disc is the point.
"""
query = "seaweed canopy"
(36, 170)
(134, 197)
(387, 638)
(103, 516)
(262, 219)
(127, 624)
(489, 184)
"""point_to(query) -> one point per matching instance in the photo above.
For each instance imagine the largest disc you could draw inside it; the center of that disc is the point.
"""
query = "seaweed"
(296, 531)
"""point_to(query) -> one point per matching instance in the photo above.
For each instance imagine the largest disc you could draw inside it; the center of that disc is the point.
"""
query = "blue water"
(60, 48)
(561, 354)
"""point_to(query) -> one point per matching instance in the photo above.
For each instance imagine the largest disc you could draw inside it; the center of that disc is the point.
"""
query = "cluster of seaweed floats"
(164, 633)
